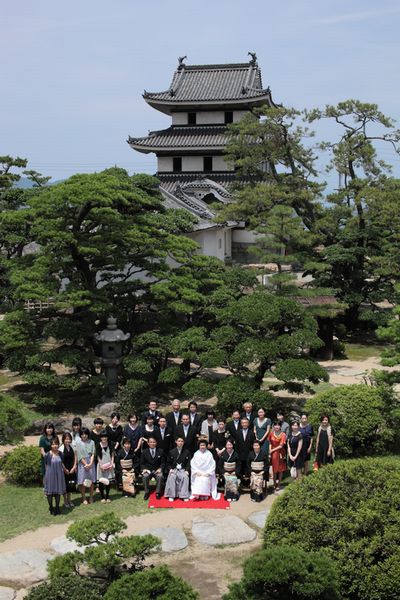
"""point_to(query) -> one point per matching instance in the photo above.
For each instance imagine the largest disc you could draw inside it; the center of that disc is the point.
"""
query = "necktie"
(162, 433)
(244, 433)
(176, 417)
(153, 452)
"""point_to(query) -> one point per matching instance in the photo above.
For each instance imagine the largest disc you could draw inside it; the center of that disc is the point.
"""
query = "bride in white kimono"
(203, 479)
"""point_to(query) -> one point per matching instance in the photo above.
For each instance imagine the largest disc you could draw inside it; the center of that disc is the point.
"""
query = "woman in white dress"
(203, 479)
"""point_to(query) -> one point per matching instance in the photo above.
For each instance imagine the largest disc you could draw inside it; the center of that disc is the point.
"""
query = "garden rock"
(62, 545)
(213, 531)
(258, 518)
(172, 538)
(23, 568)
(106, 408)
(7, 593)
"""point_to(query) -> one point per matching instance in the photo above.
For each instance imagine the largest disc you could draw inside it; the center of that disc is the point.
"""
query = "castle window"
(228, 117)
(207, 163)
(192, 118)
(177, 164)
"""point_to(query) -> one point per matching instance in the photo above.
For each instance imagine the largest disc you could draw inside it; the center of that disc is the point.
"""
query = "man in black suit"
(195, 419)
(249, 413)
(165, 440)
(234, 426)
(152, 464)
(152, 410)
(174, 418)
(244, 445)
(189, 434)
(178, 472)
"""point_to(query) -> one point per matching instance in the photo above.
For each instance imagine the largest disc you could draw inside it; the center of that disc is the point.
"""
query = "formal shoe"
(51, 510)
(186, 499)
(103, 500)
(146, 496)
(158, 496)
(57, 511)
(171, 499)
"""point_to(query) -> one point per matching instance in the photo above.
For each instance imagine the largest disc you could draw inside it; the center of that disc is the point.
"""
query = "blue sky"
(73, 72)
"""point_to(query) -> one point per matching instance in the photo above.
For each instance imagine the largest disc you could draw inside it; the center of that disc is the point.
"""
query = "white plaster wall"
(192, 163)
(179, 118)
(210, 117)
(209, 242)
(164, 164)
(219, 164)
(238, 114)
(244, 236)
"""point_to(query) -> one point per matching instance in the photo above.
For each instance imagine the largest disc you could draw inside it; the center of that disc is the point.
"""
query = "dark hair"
(185, 414)
(179, 437)
(276, 423)
(152, 438)
(192, 403)
(304, 414)
(295, 422)
(257, 442)
(131, 415)
(99, 447)
(202, 442)
(279, 412)
(151, 417)
(49, 425)
(98, 421)
(77, 421)
(115, 414)
(65, 435)
(236, 410)
(54, 440)
(210, 412)
(231, 440)
(155, 401)
(85, 431)
(221, 418)
(126, 440)
(245, 419)
(324, 417)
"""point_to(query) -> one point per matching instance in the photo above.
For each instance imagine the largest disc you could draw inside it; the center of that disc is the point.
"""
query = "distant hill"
(26, 183)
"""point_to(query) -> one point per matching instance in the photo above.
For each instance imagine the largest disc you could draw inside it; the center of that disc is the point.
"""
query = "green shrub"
(363, 418)
(133, 396)
(22, 465)
(286, 572)
(12, 419)
(350, 511)
(232, 392)
(152, 583)
(63, 588)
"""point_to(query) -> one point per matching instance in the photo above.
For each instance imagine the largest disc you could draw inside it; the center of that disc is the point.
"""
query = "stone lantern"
(112, 341)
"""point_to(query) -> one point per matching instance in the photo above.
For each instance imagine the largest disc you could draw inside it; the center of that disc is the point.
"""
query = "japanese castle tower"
(201, 101)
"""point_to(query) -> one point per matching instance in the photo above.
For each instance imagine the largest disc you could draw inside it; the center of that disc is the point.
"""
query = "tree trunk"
(325, 332)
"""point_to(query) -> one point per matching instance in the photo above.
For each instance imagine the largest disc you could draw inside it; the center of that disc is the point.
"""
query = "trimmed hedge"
(286, 572)
(158, 583)
(12, 419)
(22, 465)
(364, 419)
(63, 588)
(350, 510)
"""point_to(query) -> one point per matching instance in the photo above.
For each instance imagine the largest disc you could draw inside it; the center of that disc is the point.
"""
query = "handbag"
(104, 481)
(87, 482)
(106, 466)
(293, 472)
(315, 466)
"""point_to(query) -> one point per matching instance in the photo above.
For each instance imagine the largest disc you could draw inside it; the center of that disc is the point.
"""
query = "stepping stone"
(23, 567)
(258, 518)
(62, 545)
(213, 531)
(172, 538)
(7, 593)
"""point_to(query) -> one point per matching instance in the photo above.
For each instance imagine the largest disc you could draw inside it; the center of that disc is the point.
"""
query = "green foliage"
(63, 588)
(364, 419)
(232, 392)
(132, 396)
(95, 530)
(12, 419)
(22, 465)
(286, 572)
(158, 582)
(109, 557)
(199, 389)
(349, 511)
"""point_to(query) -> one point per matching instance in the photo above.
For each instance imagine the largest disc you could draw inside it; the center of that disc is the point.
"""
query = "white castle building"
(201, 101)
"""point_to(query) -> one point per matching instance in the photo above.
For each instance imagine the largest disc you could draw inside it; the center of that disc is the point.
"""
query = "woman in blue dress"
(262, 427)
(306, 430)
(44, 444)
(54, 478)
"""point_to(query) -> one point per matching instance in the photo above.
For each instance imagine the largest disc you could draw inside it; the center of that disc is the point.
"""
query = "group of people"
(189, 456)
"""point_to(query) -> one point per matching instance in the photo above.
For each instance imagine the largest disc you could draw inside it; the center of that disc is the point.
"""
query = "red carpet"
(165, 503)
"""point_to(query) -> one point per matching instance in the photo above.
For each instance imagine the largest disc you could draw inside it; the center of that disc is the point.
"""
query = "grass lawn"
(362, 351)
(26, 508)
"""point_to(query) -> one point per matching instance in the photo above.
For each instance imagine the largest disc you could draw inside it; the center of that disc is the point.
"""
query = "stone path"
(199, 539)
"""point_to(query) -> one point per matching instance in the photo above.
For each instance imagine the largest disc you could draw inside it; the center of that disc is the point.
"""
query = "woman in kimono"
(277, 453)
(229, 469)
(126, 464)
(257, 470)
(105, 466)
(324, 453)
(203, 479)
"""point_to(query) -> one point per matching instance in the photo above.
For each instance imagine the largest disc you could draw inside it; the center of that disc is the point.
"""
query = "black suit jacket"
(146, 414)
(190, 440)
(171, 421)
(174, 459)
(232, 429)
(244, 447)
(167, 443)
(152, 464)
(253, 415)
(198, 419)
